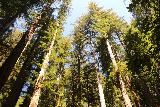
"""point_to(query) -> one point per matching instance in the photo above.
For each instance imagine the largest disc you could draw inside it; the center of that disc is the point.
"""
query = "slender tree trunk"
(79, 81)
(37, 90)
(88, 90)
(136, 97)
(73, 91)
(58, 104)
(9, 63)
(122, 85)
(100, 88)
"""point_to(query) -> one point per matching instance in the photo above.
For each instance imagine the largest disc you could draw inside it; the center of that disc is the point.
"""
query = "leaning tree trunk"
(9, 63)
(122, 85)
(16, 89)
(37, 90)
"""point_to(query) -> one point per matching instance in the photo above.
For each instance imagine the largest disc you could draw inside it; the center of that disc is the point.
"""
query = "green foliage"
(142, 43)
(55, 79)
(8, 42)
(71, 78)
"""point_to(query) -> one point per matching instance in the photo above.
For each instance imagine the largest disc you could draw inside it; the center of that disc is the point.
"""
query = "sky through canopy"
(79, 7)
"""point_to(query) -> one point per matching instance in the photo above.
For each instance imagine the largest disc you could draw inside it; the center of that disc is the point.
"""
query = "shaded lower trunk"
(135, 95)
(73, 91)
(20, 81)
(79, 82)
(10, 62)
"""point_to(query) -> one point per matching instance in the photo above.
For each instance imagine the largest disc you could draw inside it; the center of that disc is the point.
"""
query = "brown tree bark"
(9, 63)
(20, 81)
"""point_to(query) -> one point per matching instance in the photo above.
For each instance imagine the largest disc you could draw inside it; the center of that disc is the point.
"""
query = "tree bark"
(37, 89)
(100, 88)
(20, 81)
(10, 62)
(122, 85)
(136, 97)
(79, 80)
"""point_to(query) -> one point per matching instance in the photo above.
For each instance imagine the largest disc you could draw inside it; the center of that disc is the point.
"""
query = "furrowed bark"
(20, 81)
(10, 62)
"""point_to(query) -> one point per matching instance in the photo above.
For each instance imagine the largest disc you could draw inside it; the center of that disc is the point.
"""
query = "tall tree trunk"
(37, 89)
(79, 80)
(100, 88)
(122, 85)
(20, 81)
(136, 97)
(9, 63)
(58, 104)
(59, 97)
(73, 91)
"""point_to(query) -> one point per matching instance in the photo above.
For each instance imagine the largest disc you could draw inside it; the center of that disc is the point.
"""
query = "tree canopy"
(104, 62)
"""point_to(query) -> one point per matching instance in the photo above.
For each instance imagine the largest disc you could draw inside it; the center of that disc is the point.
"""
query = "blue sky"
(79, 7)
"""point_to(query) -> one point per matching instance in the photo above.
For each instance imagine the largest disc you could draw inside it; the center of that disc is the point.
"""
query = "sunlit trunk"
(136, 97)
(100, 88)
(122, 85)
(58, 102)
(37, 89)
(101, 94)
